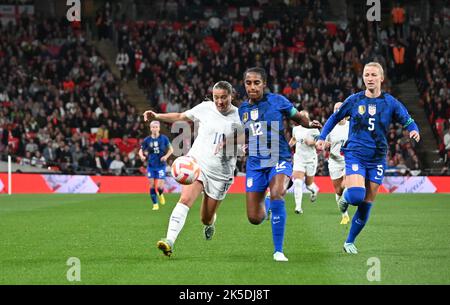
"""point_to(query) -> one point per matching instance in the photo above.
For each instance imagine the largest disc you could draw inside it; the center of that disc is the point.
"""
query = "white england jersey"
(305, 153)
(213, 127)
(337, 138)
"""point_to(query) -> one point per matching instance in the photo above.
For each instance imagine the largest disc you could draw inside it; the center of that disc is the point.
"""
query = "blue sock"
(278, 223)
(160, 191)
(153, 195)
(359, 221)
(267, 204)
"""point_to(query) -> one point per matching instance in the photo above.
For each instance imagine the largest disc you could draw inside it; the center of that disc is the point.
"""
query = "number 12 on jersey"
(256, 129)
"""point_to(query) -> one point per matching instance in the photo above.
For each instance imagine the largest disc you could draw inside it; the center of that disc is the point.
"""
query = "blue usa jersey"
(156, 148)
(263, 122)
(369, 122)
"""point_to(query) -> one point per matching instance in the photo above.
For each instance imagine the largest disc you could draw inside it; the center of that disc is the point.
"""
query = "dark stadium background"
(72, 104)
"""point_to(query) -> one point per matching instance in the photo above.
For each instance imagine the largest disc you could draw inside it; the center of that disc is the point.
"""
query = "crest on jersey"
(372, 109)
(245, 117)
(361, 109)
(355, 167)
(254, 114)
(249, 182)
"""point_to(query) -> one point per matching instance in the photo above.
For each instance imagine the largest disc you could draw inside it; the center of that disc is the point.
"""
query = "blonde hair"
(375, 64)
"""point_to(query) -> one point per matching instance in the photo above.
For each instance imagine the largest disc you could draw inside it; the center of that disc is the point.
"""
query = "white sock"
(298, 193)
(337, 201)
(312, 187)
(176, 221)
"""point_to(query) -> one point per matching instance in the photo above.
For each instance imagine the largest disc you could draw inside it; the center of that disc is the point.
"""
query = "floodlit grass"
(115, 236)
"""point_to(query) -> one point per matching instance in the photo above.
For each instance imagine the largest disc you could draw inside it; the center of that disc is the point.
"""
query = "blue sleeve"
(343, 111)
(144, 144)
(402, 116)
(286, 107)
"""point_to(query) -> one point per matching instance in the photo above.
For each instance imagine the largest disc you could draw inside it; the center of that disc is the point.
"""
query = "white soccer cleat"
(314, 193)
(350, 248)
(279, 257)
(298, 211)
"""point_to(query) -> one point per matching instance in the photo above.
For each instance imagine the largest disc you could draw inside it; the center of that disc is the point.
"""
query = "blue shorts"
(257, 180)
(373, 171)
(156, 172)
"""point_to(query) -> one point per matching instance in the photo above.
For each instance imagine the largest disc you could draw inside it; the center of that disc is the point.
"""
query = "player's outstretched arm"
(165, 117)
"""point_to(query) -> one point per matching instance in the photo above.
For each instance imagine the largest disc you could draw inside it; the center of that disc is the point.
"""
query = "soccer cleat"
(165, 246)
(345, 219)
(350, 248)
(313, 197)
(279, 257)
(209, 230)
(155, 207)
(343, 205)
(298, 211)
(161, 199)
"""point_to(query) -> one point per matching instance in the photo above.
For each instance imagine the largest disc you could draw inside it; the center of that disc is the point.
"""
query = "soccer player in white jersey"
(336, 162)
(217, 121)
(305, 162)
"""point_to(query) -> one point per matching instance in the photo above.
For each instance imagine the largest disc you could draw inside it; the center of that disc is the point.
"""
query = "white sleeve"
(196, 113)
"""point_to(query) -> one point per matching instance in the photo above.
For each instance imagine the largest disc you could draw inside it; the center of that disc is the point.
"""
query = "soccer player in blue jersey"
(370, 111)
(158, 149)
(269, 162)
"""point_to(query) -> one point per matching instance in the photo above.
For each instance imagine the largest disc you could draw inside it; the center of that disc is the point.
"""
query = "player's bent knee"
(277, 194)
(255, 220)
(355, 195)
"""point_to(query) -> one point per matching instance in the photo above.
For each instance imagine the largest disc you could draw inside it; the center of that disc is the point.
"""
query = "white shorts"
(214, 188)
(336, 169)
(309, 167)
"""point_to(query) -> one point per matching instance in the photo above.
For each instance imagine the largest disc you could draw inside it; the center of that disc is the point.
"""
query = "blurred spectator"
(117, 165)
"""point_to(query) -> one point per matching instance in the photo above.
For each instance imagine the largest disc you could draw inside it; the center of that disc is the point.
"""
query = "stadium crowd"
(433, 79)
(312, 63)
(61, 105)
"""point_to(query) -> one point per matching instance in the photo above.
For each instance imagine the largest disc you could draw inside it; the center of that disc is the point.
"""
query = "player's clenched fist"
(148, 115)
(320, 145)
(414, 135)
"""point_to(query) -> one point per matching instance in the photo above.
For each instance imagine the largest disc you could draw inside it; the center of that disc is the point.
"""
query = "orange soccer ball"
(185, 170)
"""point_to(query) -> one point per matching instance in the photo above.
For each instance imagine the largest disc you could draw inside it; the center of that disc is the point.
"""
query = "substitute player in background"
(269, 162)
(217, 120)
(336, 162)
(158, 149)
(305, 162)
(371, 111)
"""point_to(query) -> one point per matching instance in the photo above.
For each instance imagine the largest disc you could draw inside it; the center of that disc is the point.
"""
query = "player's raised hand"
(320, 145)
(414, 135)
(148, 115)
(315, 124)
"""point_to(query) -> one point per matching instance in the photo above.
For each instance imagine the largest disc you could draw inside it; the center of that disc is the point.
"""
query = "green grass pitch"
(115, 236)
